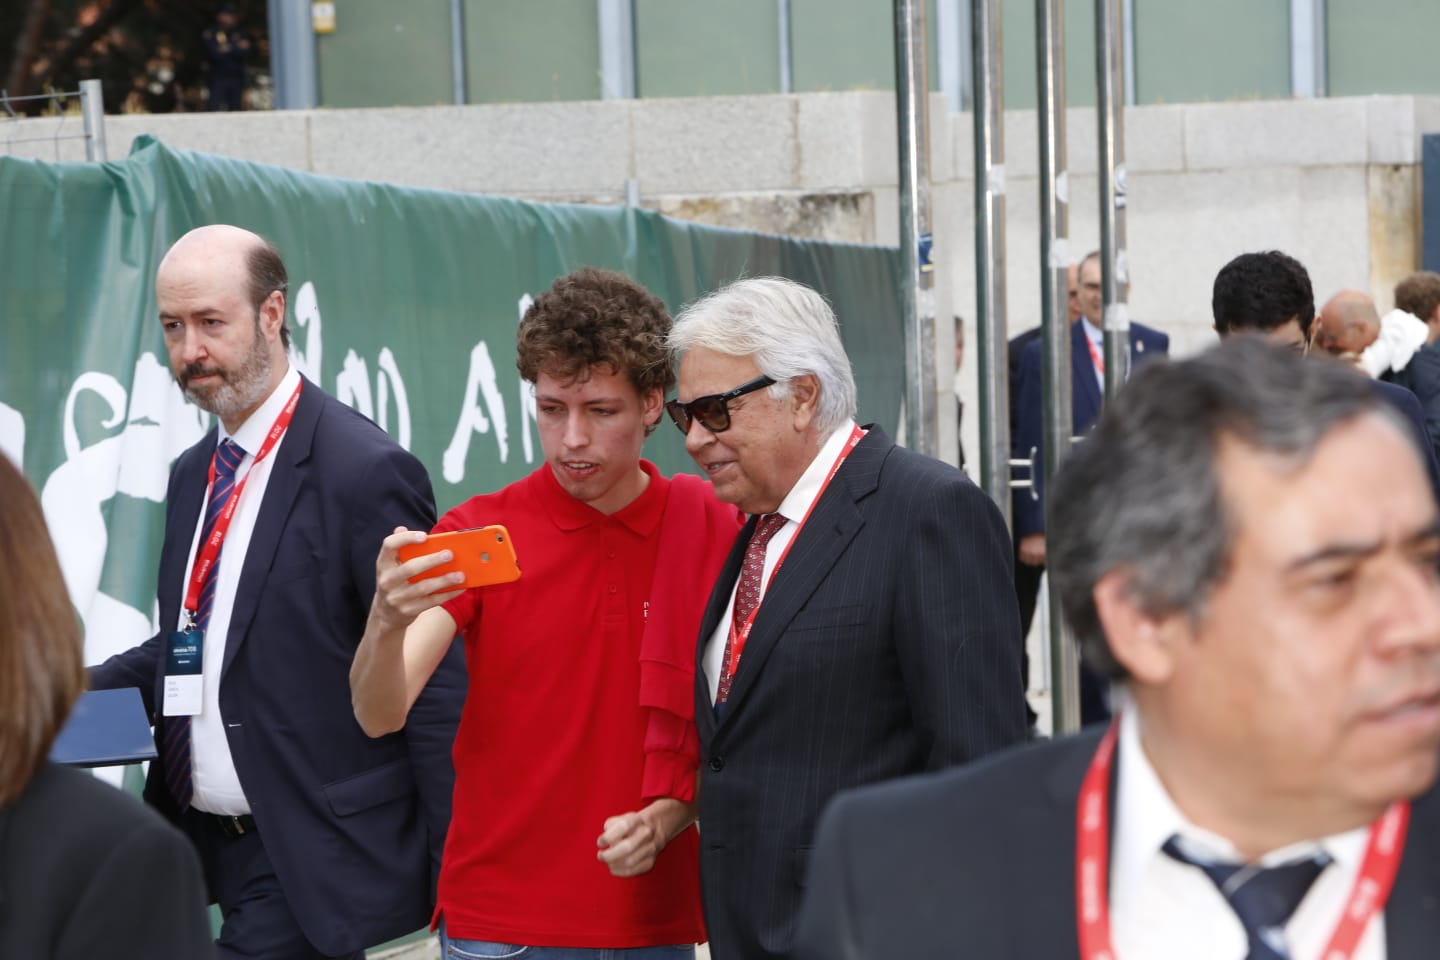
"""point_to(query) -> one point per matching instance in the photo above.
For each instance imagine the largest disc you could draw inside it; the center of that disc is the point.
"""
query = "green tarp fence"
(403, 302)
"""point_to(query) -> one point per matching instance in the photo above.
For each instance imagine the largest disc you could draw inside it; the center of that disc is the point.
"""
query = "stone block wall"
(1333, 182)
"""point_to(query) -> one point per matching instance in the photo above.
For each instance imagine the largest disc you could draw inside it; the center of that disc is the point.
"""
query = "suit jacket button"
(717, 764)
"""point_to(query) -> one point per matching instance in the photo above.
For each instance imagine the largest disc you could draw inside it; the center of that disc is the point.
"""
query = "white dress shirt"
(793, 508)
(1161, 908)
(217, 785)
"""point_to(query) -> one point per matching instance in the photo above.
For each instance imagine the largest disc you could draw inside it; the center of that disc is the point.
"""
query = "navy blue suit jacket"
(354, 826)
(1408, 406)
(1086, 399)
(888, 643)
(960, 865)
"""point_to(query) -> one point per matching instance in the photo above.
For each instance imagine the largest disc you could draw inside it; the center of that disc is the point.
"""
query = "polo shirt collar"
(642, 516)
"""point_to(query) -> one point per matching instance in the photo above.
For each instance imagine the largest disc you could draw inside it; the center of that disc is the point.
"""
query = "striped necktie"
(1263, 898)
(176, 738)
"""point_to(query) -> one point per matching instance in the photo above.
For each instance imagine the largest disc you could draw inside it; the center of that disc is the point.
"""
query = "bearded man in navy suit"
(316, 840)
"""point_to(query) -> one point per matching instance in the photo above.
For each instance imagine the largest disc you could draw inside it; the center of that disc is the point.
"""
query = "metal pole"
(990, 327)
(1307, 48)
(617, 49)
(457, 49)
(1114, 265)
(1129, 26)
(292, 55)
(1054, 313)
(787, 66)
(92, 110)
(954, 40)
(918, 297)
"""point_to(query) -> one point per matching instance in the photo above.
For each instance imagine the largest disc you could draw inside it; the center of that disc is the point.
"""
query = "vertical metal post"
(1054, 313)
(1307, 48)
(292, 55)
(1128, 19)
(457, 50)
(1114, 264)
(787, 65)
(954, 41)
(989, 117)
(617, 49)
(92, 111)
(912, 103)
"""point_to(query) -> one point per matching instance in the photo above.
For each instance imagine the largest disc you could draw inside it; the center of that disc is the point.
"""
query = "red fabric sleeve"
(696, 535)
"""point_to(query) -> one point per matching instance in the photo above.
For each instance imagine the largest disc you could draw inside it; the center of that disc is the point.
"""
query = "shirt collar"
(1146, 817)
(642, 515)
(251, 434)
(1092, 331)
(798, 501)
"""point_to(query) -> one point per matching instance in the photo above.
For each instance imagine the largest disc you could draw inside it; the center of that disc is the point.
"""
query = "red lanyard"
(1096, 357)
(1092, 865)
(738, 636)
(210, 549)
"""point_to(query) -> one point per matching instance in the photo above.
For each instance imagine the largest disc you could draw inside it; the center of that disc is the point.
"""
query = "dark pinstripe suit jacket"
(887, 644)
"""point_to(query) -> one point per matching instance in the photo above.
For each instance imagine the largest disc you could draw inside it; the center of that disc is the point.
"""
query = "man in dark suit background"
(316, 840)
(1087, 386)
(1027, 575)
(1269, 294)
(887, 642)
(1282, 664)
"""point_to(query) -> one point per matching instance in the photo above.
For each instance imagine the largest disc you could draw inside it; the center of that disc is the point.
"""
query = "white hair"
(786, 327)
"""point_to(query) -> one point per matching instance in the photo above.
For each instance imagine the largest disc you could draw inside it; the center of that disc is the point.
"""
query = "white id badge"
(184, 679)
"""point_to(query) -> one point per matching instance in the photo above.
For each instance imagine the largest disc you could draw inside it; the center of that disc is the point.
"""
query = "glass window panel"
(703, 48)
(850, 44)
(385, 54)
(1217, 50)
(1018, 43)
(528, 50)
(1382, 46)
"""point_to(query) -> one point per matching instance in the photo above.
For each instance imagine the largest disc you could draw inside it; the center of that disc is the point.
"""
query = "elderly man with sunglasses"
(864, 626)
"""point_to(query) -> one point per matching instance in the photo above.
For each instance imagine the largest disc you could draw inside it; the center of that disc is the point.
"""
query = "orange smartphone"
(484, 554)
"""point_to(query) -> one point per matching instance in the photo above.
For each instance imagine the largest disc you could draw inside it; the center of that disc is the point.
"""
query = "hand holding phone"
(484, 554)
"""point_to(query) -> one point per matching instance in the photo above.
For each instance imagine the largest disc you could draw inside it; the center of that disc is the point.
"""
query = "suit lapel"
(1053, 804)
(187, 499)
(818, 544)
(1412, 916)
(1085, 389)
(286, 477)
(1137, 350)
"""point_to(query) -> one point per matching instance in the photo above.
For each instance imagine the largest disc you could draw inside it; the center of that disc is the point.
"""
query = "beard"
(239, 389)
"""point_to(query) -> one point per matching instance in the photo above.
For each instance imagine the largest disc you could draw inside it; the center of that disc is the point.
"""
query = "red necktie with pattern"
(747, 594)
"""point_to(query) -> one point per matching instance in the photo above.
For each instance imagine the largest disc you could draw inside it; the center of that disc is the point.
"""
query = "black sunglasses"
(713, 410)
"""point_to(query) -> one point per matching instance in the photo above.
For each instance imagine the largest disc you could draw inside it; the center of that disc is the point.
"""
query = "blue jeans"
(487, 950)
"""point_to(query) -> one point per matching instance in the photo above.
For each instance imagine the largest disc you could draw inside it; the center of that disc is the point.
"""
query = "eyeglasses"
(712, 410)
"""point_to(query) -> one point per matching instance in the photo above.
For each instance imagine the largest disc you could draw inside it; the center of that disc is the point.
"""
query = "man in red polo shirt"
(576, 754)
